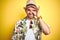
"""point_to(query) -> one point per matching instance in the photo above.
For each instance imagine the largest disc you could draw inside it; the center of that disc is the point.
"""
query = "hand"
(36, 15)
(16, 30)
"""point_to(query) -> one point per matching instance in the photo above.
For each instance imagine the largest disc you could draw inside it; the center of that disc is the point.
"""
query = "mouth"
(31, 14)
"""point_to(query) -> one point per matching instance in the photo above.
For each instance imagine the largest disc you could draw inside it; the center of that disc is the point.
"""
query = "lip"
(30, 14)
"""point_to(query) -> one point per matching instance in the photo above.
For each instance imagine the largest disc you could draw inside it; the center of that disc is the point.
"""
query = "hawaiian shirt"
(21, 29)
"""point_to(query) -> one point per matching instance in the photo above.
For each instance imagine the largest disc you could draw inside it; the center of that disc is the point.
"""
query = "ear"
(38, 8)
(24, 8)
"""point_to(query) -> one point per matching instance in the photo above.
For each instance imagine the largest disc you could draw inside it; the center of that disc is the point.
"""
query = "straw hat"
(30, 2)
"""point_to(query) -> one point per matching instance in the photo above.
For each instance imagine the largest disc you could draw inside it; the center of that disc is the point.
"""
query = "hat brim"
(31, 5)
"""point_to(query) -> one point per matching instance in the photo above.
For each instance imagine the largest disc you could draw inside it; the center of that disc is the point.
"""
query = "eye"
(34, 10)
(28, 9)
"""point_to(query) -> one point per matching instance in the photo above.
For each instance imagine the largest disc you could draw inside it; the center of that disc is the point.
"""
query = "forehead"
(31, 8)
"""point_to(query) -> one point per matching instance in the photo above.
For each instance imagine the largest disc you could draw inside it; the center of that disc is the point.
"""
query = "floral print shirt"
(21, 28)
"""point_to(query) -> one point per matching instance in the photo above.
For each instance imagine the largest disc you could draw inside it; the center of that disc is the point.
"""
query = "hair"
(31, 5)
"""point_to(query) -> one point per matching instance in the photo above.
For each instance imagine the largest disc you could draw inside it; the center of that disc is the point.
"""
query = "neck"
(29, 18)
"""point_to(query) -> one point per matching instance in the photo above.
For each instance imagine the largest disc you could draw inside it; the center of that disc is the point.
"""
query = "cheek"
(27, 12)
(35, 13)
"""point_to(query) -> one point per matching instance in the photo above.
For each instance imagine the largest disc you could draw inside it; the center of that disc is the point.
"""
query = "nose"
(30, 13)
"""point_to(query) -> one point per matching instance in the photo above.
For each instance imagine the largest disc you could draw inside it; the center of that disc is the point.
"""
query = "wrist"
(40, 17)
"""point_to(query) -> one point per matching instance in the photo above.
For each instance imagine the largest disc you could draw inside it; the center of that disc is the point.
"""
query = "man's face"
(31, 11)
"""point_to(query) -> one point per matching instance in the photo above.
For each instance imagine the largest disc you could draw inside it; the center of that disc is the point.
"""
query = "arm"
(43, 25)
(16, 30)
(45, 28)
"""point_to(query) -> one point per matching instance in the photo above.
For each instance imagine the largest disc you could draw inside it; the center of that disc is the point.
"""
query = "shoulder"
(21, 21)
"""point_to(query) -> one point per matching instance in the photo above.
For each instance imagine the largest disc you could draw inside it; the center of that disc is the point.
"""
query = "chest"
(26, 26)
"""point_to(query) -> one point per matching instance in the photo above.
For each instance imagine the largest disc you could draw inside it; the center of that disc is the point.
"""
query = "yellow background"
(13, 10)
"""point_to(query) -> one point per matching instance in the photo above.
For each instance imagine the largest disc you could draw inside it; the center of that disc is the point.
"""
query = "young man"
(31, 27)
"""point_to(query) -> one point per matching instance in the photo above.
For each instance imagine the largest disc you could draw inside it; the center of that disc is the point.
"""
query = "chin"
(31, 17)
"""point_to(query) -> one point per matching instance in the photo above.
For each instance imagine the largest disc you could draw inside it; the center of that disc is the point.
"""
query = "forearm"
(45, 28)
